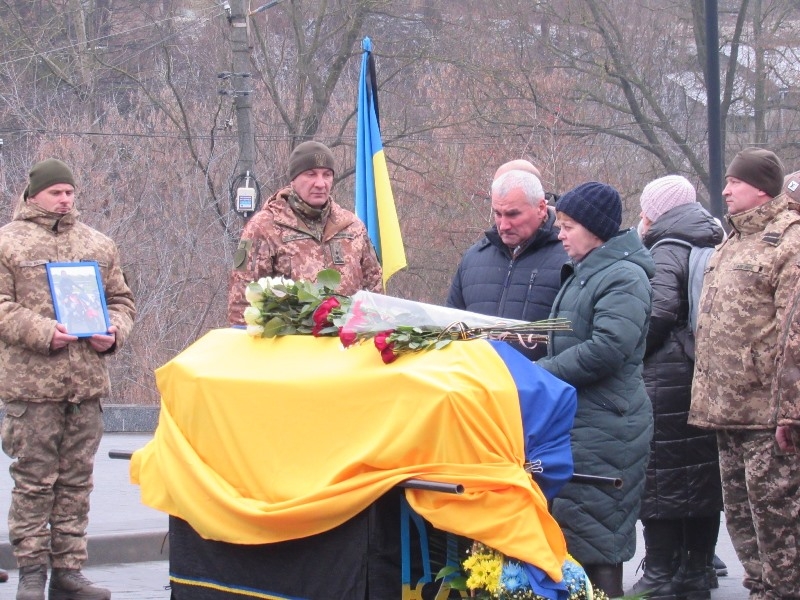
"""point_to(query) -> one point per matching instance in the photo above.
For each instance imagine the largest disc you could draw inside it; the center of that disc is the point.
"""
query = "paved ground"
(127, 540)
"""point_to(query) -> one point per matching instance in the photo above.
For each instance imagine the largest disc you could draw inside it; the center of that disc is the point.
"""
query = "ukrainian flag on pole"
(374, 199)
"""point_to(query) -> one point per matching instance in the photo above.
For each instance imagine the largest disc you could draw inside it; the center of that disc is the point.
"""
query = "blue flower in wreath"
(574, 576)
(513, 577)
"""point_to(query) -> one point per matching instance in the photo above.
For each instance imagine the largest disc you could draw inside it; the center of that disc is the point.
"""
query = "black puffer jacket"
(683, 472)
(490, 282)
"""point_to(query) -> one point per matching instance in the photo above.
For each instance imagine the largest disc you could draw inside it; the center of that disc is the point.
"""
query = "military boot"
(31, 582)
(70, 584)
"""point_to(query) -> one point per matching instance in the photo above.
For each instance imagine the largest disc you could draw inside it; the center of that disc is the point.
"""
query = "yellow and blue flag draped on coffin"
(266, 440)
(374, 199)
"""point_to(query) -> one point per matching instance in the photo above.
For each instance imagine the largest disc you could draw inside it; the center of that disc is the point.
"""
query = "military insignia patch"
(241, 254)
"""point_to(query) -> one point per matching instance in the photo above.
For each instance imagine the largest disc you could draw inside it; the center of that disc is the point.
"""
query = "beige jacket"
(28, 369)
(746, 292)
(275, 242)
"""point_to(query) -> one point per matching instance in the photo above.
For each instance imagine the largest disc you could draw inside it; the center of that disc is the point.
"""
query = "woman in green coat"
(606, 296)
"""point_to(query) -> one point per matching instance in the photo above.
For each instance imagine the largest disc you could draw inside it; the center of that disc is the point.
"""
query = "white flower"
(255, 330)
(265, 283)
(253, 293)
(252, 315)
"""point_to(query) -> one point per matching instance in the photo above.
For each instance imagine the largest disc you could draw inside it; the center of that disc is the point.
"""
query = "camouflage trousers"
(762, 511)
(54, 444)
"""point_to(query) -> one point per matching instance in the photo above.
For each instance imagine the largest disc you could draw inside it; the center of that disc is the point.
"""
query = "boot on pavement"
(3, 576)
(662, 545)
(70, 584)
(720, 567)
(31, 582)
(691, 581)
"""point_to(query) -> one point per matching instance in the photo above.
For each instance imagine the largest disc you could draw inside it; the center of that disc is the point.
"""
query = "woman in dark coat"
(606, 297)
(683, 496)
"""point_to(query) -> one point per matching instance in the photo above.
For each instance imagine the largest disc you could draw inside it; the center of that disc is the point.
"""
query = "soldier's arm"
(20, 326)
(786, 271)
(253, 260)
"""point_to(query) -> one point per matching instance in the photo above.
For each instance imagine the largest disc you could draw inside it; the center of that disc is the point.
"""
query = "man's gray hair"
(527, 182)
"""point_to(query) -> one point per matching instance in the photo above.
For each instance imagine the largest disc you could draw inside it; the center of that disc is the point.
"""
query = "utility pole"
(241, 88)
(715, 149)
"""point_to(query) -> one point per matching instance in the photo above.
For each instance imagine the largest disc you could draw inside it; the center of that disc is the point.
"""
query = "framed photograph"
(78, 297)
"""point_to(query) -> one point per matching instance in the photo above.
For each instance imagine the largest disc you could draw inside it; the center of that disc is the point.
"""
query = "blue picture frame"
(78, 297)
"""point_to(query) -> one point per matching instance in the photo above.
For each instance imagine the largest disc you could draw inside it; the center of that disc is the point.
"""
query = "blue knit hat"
(594, 205)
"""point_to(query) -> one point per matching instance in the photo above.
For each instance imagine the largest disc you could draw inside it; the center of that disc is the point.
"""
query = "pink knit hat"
(666, 193)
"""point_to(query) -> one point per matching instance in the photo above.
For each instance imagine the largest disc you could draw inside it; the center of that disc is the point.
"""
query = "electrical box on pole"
(237, 11)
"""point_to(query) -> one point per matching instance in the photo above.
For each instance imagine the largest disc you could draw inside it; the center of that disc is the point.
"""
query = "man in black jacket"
(514, 271)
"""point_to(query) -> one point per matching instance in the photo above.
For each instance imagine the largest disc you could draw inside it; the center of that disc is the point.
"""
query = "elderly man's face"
(314, 186)
(517, 219)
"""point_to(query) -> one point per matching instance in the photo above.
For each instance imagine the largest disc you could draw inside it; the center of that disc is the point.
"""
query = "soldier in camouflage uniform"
(787, 379)
(52, 383)
(300, 231)
(746, 293)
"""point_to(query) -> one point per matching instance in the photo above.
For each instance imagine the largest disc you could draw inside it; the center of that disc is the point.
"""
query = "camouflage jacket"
(746, 291)
(787, 378)
(29, 370)
(275, 242)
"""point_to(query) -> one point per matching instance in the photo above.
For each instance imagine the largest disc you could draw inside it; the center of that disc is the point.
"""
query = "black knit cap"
(760, 168)
(596, 206)
(46, 173)
(310, 155)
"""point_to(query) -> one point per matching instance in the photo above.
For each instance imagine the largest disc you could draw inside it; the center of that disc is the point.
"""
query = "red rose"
(388, 355)
(321, 316)
(348, 337)
(381, 342)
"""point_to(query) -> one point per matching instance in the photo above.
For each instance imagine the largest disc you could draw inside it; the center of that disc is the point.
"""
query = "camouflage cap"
(310, 155)
(46, 173)
(791, 186)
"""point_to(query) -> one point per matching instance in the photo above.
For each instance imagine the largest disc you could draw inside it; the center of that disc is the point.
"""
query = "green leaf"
(273, 327)
(307, 296)
(445, 571)
(458, 583)
(329, 278)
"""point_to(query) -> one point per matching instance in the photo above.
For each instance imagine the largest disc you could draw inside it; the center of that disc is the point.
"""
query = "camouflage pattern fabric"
(53, 421)
(787, 378)
(746, 291)
(28, 369)
(765, 538)
(54, 444)
(746, 294)
(276, 242)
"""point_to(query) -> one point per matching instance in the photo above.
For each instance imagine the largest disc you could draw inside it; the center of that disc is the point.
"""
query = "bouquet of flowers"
(280, 306)
(492, 576)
